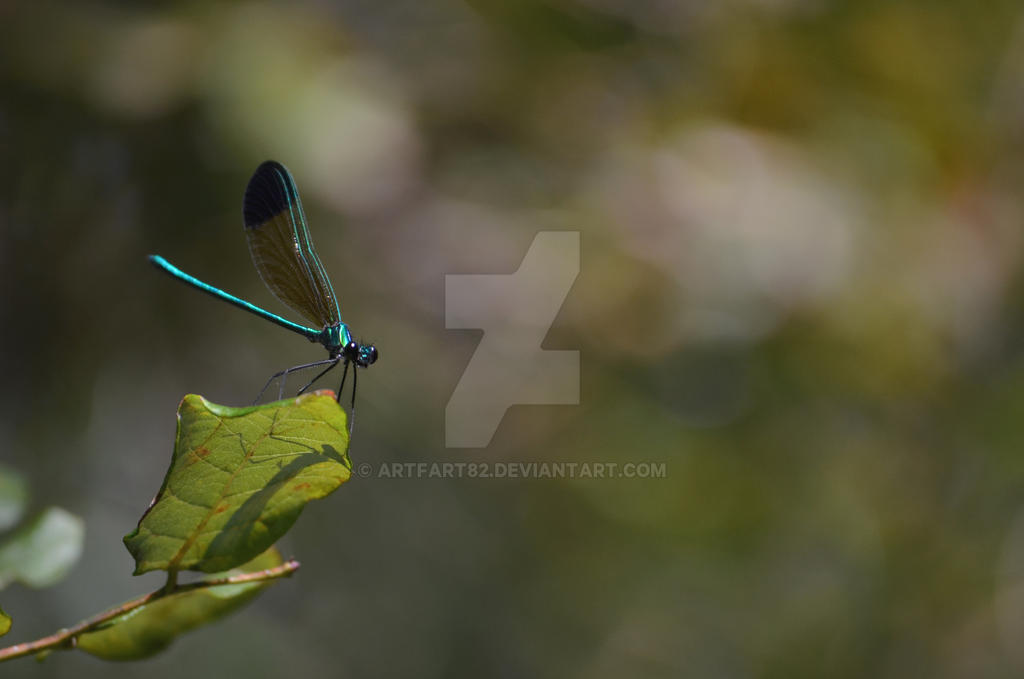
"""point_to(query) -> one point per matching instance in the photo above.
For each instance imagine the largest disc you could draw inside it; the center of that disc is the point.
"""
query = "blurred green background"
(799, 289)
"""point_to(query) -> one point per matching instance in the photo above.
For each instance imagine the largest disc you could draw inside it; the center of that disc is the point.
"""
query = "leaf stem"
(172, 580)
(66, 638)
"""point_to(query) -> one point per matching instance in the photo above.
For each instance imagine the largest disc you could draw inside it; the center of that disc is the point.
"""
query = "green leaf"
(150, 628)
(5, 623)
(238, 480)
(13, 497)
(42, 552)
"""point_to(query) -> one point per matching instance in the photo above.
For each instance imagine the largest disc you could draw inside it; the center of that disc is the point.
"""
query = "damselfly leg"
(283, 374)
(323, 372)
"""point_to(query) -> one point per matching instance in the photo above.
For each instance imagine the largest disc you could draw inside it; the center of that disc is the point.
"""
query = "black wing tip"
(268, 165)
(266, 195)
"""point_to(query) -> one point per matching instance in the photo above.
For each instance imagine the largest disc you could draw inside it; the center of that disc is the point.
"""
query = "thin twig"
(66, 637)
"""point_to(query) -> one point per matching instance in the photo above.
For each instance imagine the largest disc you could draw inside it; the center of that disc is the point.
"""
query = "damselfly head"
(367, 355)
(362, 355)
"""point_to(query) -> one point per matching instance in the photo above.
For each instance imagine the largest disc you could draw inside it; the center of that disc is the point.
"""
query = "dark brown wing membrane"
(281, 248)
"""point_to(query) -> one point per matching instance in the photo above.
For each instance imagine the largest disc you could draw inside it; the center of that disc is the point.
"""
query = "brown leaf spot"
(194, 456)
(300, 486)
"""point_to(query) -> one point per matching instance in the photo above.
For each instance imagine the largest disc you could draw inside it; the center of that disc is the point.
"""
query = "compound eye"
(371, 355)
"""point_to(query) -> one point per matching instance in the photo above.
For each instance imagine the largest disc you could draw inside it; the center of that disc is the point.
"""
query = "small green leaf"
(5, 623)
(150, 628)
(42, 552)
(13, 497)
(238, 479)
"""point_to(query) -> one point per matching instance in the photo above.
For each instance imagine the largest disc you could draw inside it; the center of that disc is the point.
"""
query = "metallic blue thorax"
(335, 337)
